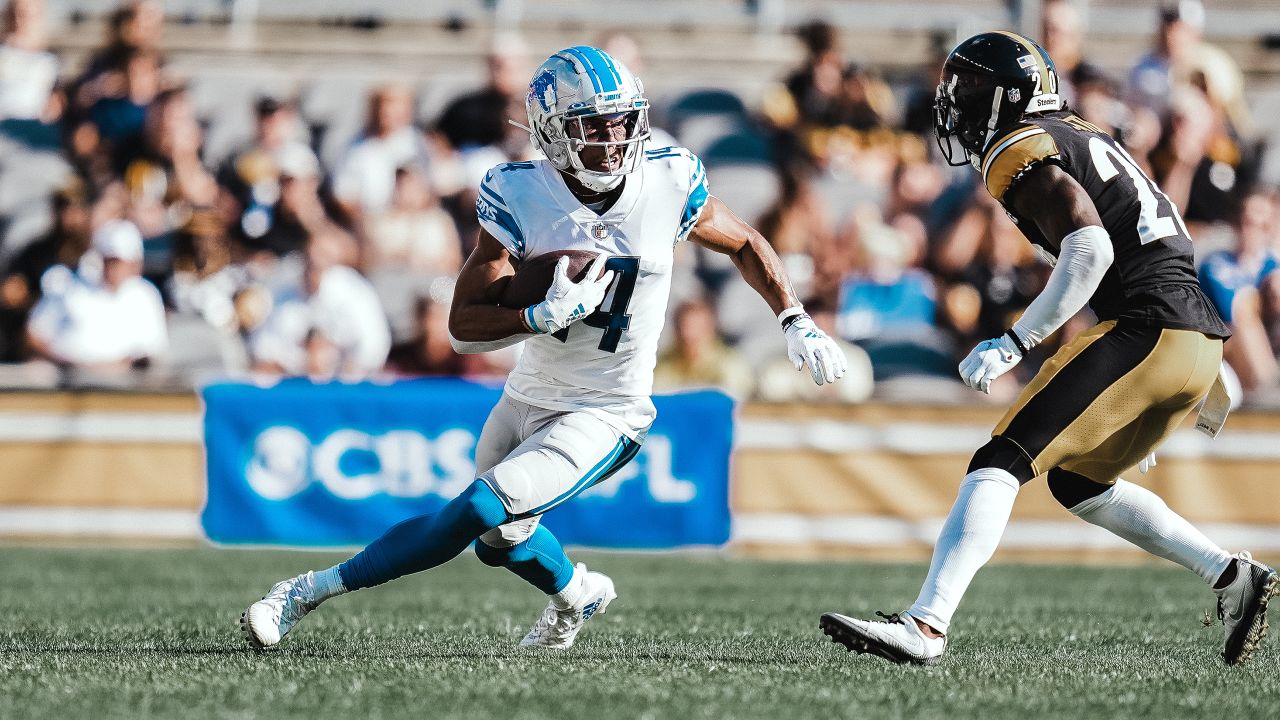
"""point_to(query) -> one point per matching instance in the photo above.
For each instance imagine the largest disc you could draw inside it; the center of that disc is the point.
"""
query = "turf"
(116, 633)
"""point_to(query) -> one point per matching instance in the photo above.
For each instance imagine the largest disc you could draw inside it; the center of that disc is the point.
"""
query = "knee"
(1006, 455)
(484, 507)
(1070, 489)
(493, 556)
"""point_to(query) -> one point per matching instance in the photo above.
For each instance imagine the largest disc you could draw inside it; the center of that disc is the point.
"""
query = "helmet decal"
(543, 90)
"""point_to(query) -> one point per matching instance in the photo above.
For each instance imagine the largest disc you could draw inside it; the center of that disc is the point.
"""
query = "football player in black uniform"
(1108, 398)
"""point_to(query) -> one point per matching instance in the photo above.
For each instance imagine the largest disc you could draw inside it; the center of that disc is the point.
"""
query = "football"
(533, 276)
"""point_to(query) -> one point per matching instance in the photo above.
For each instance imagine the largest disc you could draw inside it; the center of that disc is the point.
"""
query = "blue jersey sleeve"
(697, 199)
(495, 215)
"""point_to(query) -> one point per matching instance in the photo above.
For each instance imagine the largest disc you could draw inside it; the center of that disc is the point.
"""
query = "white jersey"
(606, 361)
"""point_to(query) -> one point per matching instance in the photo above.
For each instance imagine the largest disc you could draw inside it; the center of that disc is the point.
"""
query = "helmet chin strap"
(598, 183)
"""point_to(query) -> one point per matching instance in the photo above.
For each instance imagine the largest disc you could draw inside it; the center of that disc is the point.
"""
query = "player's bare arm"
(719, 229)
(475, 316)
(1056, 201)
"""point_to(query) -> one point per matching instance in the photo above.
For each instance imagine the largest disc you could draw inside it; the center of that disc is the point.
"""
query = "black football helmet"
(988, 83)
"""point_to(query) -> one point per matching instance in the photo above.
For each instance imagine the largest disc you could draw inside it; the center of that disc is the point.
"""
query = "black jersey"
(1152, 280)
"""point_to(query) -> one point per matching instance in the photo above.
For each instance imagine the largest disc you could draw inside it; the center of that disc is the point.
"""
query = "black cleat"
(1242, 608)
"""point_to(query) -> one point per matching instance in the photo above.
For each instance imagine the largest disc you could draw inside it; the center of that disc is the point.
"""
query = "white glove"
(1147, 463)
(807, 344)
(988, 361)
(568, 301)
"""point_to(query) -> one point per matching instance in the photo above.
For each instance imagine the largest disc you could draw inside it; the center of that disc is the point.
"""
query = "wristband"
(1017, 341)
(790, 315)
(526, 317)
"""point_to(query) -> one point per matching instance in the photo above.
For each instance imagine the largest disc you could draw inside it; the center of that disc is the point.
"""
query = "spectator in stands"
(250, 176)
(798, 228)
(415, 233)
(886, 293)
(699, 358)
(1196, 163)
(888, 303)
(283, 227)
(865, 101)
(199, 281)
(334, 301)
(480, 118)
(118, 118)
(1062, 31)
(429, 352)
(108, 320)
(166, 180)
(324, 360)
(364, 182)
(65, 243)
(1244, 286)
(1156, 74)
(817, 85)
(28, 71)
(134, 26)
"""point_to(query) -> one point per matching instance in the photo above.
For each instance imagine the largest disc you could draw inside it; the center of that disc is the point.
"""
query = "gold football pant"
(1109, 397)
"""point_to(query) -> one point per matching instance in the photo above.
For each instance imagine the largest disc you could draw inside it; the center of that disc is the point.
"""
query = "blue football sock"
(539, 560)
(426, 541)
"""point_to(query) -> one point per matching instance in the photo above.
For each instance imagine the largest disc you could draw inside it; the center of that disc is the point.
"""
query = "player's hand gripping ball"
(558, 289)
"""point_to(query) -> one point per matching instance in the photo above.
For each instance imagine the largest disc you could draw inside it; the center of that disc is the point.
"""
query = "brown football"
(533, 276)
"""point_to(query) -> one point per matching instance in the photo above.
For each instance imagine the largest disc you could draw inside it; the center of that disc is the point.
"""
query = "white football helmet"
(577, 98)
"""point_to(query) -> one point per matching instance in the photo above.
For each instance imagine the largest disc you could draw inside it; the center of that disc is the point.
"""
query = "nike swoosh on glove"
(807, 345)
(568, 301)
(988, 361)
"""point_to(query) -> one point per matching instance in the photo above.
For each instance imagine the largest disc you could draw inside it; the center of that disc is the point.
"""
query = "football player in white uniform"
(576, 408)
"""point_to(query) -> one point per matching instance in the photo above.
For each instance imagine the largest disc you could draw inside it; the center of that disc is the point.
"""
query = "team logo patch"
(543, 89)
(599, 231)
(1015, 95)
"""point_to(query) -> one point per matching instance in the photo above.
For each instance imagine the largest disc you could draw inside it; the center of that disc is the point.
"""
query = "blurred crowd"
(156, 260)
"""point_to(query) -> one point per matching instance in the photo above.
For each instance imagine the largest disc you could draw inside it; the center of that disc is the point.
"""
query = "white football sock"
(327, 583)
(1141, 517)
(568, 597)
(968, 539)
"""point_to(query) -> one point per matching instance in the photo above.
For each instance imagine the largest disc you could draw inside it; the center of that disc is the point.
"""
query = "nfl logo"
(599, 231)
(1015, 94)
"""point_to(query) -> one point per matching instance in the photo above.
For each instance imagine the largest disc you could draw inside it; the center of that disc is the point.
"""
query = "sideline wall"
(807, 481)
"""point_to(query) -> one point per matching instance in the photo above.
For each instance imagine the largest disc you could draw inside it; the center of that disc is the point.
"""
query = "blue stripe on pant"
(620, 455)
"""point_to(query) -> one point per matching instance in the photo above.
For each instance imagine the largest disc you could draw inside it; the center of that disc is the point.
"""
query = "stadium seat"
(749, 189)
(705, 102)
(742, 147)
(700, 132)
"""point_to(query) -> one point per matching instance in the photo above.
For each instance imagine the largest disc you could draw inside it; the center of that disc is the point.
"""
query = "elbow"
(462, 347)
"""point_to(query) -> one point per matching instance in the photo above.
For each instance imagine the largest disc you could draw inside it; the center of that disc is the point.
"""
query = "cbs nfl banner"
(298, 463)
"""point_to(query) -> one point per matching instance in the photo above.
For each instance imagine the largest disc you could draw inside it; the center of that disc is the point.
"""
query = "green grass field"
(121, 633)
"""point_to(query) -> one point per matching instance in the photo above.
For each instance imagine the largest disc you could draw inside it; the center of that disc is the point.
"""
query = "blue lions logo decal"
(543, 89)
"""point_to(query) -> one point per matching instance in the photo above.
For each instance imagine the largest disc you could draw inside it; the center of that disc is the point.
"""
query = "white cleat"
(556, 629)
(896, 638)
(267, 621)
(1242, 608)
